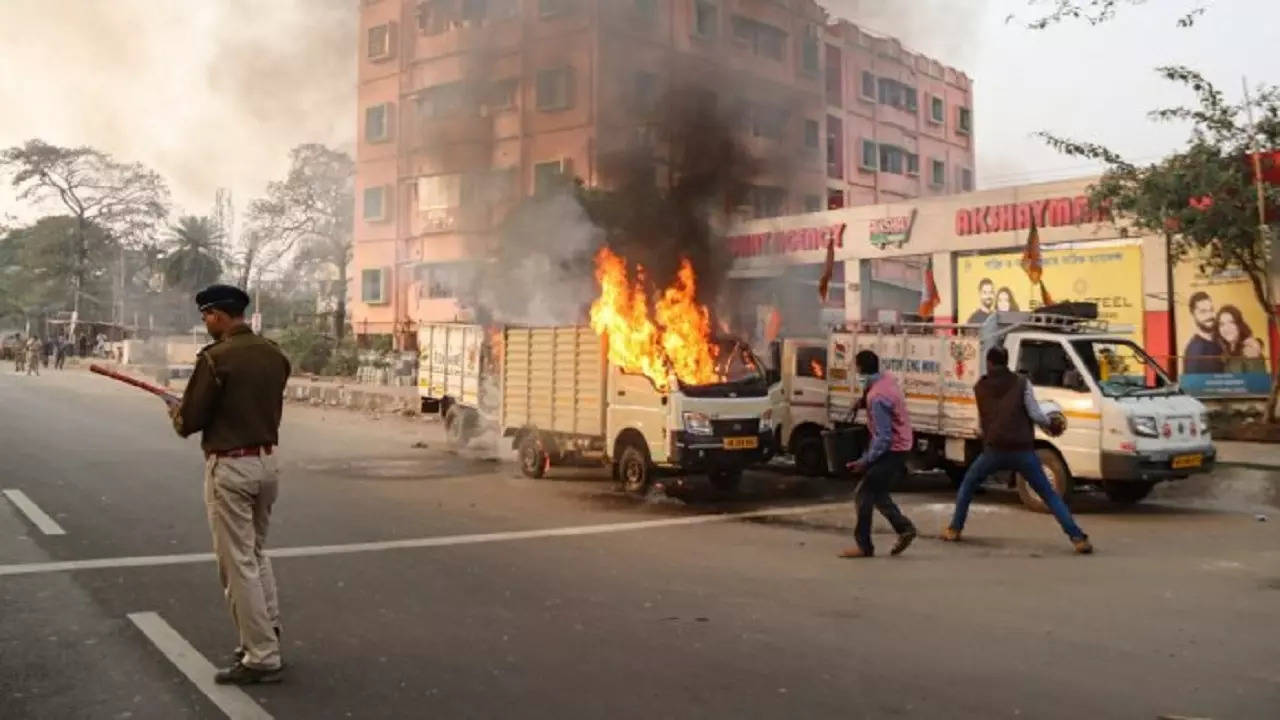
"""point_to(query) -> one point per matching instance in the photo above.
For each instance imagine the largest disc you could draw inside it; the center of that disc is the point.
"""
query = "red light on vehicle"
(1167, 430)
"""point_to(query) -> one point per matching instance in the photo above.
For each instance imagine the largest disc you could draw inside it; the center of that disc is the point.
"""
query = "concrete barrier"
(354, 397)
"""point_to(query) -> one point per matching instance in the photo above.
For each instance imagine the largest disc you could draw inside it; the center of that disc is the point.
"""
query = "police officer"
(234, 400)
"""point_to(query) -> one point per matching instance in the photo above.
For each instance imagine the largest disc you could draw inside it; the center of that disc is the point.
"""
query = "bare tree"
(310, 213)
(1094, 12)
(126, 200)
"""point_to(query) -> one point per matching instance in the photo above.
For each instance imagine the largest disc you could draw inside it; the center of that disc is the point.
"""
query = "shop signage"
(1053, 212)
(895, 231)
(782, 242)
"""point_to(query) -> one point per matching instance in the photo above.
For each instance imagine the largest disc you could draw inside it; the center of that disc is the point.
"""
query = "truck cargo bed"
(553, 378)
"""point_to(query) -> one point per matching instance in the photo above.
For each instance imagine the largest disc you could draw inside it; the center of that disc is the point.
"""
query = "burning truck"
(646, 386)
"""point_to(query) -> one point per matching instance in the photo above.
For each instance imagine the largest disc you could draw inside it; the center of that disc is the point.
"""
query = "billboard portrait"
(1109, 275)
(1222, 332)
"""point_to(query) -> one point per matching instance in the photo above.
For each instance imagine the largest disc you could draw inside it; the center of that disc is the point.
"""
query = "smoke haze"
(210, 93)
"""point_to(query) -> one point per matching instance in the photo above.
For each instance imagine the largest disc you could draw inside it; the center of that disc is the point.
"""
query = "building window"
(436, 16)
(440, 100)
(965, 124)
(377, 123)
(835, 148)
(811, 133)
(705, 18)
(502, 94)
(966, 180)
(373, 286)
(899, 95)
(766, 121)
(764, 40)
(552, 8)
(548, 176)
(809, 53)
(938, 174)
(835, 199)
(440, 281)
(439, 192)
(767, 202)
(870, 156)
(646, 11)
(868, 91)
(937, 111)
(892, 159)
(375, 204)
(555, 89)
(644, 95)
(913, 164)
(813, 203)
(381, 41)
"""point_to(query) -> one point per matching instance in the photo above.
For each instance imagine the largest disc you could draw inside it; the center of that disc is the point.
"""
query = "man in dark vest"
(1008, 412)
(885, 459)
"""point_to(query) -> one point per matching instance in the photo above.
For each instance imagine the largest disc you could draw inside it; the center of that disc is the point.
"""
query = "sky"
(214, 93)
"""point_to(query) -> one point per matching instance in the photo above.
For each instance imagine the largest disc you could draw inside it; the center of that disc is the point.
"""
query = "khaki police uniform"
(234, 399)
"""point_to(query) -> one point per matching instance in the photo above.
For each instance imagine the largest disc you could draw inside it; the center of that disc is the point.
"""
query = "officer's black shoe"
(240, 674)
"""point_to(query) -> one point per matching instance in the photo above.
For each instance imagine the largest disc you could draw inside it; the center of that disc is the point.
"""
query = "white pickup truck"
(1129, 425)
(563, 403)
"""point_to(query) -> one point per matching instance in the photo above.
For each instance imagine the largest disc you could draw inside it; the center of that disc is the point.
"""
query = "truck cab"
(801, 414)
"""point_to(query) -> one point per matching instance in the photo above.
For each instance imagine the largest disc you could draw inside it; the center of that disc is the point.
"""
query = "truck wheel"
(633, 470)
(1059, 477)
(811, 458)
(725, 480)
(534, 460)
(1127, 493)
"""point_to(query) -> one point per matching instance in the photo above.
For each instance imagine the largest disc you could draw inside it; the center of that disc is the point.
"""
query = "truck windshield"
(1122, 368)
(741, 373)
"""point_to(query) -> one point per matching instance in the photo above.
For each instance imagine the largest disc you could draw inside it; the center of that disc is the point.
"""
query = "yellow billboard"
(1109, 275)
(1222, 332)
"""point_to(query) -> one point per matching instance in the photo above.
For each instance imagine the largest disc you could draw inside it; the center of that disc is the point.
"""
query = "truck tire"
(534, 460)
(1127, 493)
(811, 457)
(1059, 477)
(725, 480)
(633, 469)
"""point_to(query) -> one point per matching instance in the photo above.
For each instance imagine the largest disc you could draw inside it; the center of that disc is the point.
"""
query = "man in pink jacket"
(885, 459)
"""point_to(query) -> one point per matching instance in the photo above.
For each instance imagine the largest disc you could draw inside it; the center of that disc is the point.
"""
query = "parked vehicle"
(1129, 425)
(563, 403)
(456, 377)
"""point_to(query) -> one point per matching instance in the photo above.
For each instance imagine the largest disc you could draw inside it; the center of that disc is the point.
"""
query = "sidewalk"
(1259, 456)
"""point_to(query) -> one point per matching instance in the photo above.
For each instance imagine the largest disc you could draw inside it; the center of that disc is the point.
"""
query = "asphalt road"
(561, 598)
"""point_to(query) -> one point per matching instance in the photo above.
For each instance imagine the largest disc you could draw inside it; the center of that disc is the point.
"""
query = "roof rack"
(1048, 321)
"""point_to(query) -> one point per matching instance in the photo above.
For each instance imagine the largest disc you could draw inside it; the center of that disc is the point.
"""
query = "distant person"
(1243, 351)
(1005, 301)
(1203, 354)
(234, 400)
(19, 354)
(986, 302)
(61, 348)
(46, 352)
(33, 356)
(885, 459)
(1007, 414)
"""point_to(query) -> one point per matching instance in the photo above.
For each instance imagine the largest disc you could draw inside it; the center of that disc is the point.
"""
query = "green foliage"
(345, 359)
(38, 265)
(194, 260)
(308, 349)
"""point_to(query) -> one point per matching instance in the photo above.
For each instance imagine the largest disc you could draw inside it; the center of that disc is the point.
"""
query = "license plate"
(1187, 461)
(741, 443)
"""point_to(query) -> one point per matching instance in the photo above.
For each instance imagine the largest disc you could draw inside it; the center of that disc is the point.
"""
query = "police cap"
(227, 298)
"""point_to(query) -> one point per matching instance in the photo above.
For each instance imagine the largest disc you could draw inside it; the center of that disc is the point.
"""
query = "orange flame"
(672, 338)
(817, 369)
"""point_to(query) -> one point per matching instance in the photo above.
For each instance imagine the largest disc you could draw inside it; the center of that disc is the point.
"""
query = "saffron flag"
(773, 327)
(1032, 262)
(828, 269)
(929, 293)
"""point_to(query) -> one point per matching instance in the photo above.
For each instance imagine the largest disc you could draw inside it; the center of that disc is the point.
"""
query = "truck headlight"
(1144, 426)
(766, 420)
(1204, 424)
(697, 423)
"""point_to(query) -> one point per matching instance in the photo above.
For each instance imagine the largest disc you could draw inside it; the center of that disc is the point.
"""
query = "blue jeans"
(1026, 464)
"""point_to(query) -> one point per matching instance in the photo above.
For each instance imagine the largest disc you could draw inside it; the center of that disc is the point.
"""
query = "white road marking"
(230, 699)
(33, 512)
(412, 543)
